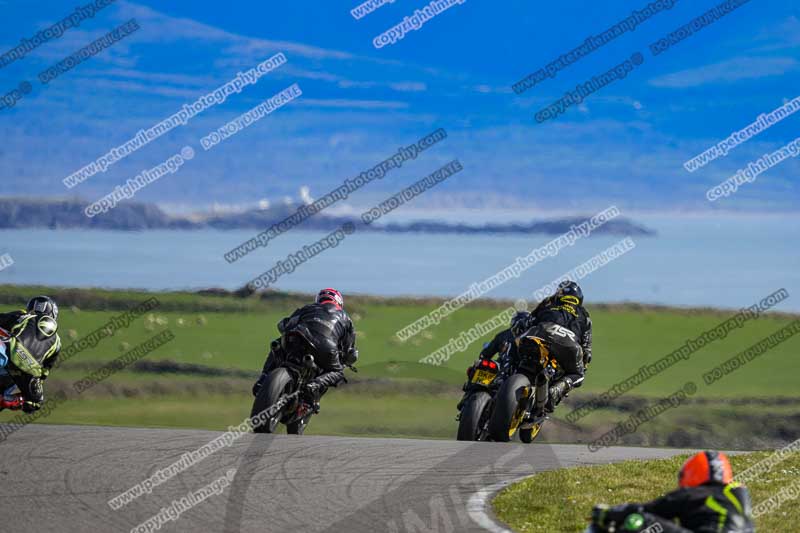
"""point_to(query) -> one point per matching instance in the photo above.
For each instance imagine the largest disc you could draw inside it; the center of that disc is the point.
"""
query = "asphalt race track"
(60, 478)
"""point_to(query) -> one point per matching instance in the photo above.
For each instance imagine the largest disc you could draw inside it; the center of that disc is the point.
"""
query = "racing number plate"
(483, 377)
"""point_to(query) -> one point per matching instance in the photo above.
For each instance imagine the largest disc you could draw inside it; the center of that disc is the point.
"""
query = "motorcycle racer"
(328, 330)
(30, 348)
(503, 344)
(564, 322)
(707, 501)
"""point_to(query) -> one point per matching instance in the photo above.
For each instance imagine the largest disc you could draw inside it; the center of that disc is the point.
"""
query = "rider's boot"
(462, 401)
(463, 398)
(309, 402)
(556, 393)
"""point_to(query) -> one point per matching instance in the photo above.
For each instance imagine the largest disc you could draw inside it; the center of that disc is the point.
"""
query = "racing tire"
(276, 384)
(472, 416)
(299, 427)
(506, 403)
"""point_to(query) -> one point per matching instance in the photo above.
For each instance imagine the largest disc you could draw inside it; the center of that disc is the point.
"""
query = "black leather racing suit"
(329, 332)
(499, 344)
(712, 508)
(567, 329)
(38, 347)
(503, 344)
(573, 352)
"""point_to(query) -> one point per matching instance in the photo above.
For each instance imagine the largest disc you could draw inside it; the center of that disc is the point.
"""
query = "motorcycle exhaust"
(542, 391)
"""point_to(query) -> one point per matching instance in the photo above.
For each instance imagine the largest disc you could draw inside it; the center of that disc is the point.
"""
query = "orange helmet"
(705, 467)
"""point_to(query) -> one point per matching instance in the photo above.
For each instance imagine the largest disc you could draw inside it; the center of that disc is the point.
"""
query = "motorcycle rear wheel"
(506, 417)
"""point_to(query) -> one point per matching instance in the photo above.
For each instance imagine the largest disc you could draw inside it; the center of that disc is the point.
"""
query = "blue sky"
(625, 144)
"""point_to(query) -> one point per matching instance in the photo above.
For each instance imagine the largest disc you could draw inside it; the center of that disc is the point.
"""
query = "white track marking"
(478, 506)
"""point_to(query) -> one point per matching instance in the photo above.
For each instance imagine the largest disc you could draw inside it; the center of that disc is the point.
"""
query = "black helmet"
(570, 288)
(519, 323)
(43, 305)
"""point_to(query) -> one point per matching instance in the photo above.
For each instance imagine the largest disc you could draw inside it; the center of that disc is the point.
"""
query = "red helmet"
(705, 467)
(331, 295)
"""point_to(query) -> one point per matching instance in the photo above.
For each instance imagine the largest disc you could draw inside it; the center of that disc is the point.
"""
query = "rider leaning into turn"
(562, 320)
(29, 348)
(330, 331)
(708, 501)
(503, 343)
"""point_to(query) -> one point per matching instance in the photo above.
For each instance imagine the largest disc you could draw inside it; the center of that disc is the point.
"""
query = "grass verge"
(562, 500)
(344, 413)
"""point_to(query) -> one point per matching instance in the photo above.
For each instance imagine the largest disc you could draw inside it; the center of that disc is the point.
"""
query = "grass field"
(562, 500)
(394, 394)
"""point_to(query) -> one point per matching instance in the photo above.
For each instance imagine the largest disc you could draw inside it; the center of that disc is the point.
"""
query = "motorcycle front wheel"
(276, 384)
(472, 416)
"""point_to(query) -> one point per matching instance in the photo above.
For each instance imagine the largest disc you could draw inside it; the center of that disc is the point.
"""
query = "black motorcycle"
(519, 405)
(476, 406)
(484, 379)
(281, 397)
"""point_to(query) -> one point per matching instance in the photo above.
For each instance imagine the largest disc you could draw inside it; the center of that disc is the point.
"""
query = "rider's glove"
(313, 387)
(258, 384)
(351, 357)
